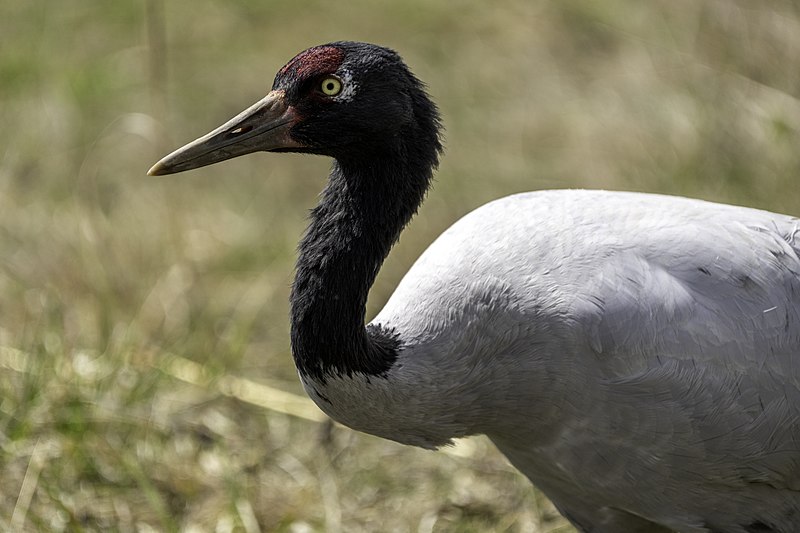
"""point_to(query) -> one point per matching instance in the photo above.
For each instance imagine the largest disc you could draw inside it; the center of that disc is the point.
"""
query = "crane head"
(343, 99)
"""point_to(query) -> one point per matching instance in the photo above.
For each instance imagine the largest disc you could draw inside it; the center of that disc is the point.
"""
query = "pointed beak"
(264, 126)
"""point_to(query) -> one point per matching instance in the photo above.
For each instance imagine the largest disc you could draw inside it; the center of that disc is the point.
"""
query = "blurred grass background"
(108, 276)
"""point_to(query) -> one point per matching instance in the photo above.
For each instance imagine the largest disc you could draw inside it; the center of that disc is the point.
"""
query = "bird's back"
(624, 343)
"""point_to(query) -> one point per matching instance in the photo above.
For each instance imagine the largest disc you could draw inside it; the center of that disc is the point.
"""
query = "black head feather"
(381, 105)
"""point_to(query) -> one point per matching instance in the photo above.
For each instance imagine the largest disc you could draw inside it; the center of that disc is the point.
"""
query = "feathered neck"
(367, 202)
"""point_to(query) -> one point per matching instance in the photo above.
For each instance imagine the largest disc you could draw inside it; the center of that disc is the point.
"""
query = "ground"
(144, 320)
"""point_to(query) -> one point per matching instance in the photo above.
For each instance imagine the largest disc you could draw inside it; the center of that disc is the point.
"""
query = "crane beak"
(264, 126)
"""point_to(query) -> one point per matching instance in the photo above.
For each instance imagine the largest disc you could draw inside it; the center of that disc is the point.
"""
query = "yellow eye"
(331, 86)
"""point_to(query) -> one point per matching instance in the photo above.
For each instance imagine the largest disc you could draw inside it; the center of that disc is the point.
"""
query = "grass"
(113, 284)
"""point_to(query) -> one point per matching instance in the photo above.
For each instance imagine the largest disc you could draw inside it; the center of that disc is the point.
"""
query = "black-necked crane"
(636, 356)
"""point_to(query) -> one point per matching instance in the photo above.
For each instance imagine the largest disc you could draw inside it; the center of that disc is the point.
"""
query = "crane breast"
(677, 321)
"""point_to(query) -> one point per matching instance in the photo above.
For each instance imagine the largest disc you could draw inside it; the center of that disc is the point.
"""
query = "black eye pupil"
(330, 86)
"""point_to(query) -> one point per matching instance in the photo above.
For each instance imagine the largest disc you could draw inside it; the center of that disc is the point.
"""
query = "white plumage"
(613, 345)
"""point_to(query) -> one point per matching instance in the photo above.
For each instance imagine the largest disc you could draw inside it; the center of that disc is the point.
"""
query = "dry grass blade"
(243, 389)
(29, 482)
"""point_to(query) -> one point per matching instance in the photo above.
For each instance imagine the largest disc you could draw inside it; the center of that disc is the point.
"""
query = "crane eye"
(331, 86)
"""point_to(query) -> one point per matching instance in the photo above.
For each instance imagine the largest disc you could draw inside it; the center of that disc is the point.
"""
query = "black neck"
(362, 211)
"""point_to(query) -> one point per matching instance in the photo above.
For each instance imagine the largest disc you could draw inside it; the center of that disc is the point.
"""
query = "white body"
(612, 345)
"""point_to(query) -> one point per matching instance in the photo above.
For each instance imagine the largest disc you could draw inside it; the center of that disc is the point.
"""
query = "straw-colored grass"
(143, 321)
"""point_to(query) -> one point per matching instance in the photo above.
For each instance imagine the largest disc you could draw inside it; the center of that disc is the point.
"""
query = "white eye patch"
(349, 87)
